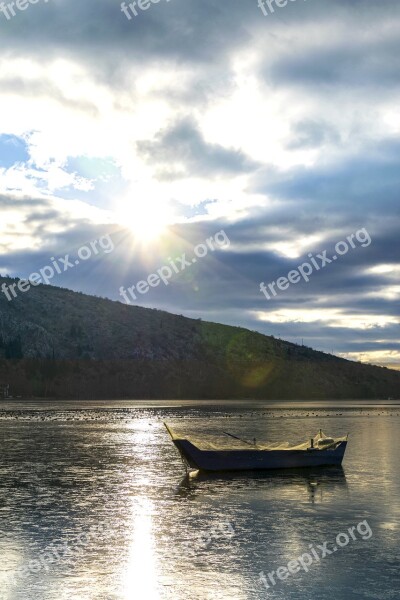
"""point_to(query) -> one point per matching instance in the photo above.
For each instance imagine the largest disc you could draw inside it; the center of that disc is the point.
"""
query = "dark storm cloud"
(12, 202)
(44, 217)
(37, 219)
(312, 134)
(98, 32)
(182, 142)
(366, 346)
(188, 31)
(368, 179)
(342, 63)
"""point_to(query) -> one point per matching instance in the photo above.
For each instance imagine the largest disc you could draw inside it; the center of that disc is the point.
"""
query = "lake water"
(95, 505)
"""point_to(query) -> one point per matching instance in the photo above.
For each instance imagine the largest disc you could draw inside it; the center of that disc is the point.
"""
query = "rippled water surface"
(94, 504)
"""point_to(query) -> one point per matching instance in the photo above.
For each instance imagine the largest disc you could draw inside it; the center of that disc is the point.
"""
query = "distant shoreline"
(22, 403)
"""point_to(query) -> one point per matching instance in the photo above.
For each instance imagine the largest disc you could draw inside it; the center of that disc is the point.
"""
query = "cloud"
(369, 176)
(311, 134)
(344, 63)
(183, 145)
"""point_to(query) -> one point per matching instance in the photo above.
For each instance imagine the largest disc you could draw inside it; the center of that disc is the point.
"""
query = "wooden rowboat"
(320, 451)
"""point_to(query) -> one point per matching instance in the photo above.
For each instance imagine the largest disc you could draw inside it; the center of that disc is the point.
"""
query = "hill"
(64, 344)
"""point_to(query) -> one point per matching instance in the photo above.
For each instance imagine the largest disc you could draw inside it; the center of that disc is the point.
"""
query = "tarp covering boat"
(224, 441)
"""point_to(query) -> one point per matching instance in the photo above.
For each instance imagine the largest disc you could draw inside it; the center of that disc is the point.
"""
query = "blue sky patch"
(13, 150)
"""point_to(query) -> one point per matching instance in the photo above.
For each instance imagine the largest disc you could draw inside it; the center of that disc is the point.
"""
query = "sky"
(194, 117)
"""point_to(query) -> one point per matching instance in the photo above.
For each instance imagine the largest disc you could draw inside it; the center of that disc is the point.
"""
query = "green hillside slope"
(59, 343)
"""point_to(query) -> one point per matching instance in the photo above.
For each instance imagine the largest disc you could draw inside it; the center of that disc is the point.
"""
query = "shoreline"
(85, 404)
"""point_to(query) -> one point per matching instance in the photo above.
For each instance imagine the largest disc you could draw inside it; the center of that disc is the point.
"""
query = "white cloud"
(330, 317)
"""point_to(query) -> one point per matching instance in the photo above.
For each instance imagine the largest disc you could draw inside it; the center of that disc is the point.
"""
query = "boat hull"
(255, 460)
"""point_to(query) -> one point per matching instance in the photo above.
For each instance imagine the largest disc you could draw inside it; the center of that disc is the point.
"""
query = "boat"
(200, 455)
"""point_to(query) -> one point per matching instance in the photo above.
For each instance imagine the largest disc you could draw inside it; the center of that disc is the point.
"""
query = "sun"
(147, 221)
(148, 225)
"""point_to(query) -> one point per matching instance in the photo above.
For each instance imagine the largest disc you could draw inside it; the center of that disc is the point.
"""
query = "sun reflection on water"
(140, 579)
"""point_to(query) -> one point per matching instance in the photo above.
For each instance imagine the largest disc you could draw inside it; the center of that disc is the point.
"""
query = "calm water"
(111, 471)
